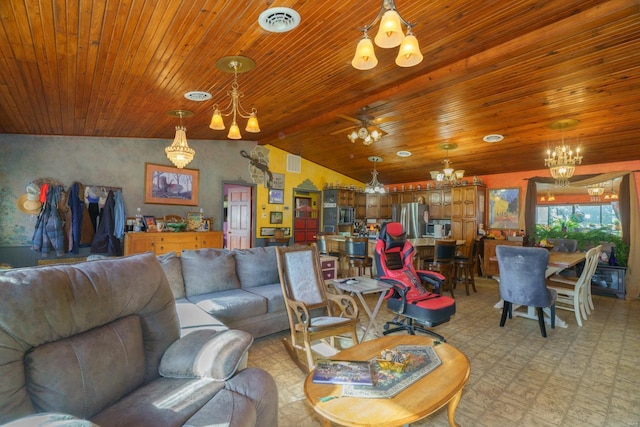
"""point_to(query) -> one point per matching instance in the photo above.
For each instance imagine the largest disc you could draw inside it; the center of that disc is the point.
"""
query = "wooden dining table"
(558, 261)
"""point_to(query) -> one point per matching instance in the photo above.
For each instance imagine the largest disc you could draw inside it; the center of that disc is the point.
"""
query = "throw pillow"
(208, 270)
(173, 269)
(206, 354)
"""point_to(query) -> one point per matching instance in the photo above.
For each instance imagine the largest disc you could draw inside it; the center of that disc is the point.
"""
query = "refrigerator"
(412, 216)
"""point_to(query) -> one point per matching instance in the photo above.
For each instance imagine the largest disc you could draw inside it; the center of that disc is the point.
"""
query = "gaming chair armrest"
(398, 288)
(431, 277)
(347, 305)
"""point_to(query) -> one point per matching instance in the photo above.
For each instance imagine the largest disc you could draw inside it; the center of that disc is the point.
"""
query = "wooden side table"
(443, 386)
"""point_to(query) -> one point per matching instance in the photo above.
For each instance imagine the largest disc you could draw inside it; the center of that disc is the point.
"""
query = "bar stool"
(357, 251)
(443, 262)
(465, 267)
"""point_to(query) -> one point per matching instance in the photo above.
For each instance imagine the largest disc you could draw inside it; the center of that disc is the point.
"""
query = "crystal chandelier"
(595, 191)
(448, 176)
(562, 160)
(389, 35)
(374, 186)
(235, 65)
(364, 134)
(179, 152)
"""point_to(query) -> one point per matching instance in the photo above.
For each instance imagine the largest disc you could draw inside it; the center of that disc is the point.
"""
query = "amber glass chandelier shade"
(179, 152)
(216, 120)
(390, 31)
(365, 57)
(234, 131)
(409, 53)
(252, 124)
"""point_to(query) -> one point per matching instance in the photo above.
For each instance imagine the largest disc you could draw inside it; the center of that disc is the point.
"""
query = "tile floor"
(587, 376)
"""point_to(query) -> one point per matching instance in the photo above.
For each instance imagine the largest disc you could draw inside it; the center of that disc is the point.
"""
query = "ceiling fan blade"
(351, 119)
(385, 119)
(345, 130)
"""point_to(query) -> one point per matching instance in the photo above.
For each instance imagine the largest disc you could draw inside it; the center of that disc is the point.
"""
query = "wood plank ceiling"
(114, 68)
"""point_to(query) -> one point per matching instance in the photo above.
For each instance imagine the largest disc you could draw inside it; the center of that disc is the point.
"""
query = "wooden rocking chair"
(314, 315)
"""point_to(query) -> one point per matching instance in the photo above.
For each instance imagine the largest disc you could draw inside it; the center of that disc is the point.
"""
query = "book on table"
(343, 372)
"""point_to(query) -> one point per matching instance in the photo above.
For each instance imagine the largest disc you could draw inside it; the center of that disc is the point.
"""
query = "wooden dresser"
(160, 243)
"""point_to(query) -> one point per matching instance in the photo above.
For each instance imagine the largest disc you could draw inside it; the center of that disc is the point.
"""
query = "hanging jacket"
(48, 232)
(105, 241)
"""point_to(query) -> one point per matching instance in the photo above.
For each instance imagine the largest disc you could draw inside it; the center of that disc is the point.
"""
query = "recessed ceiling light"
(493, 138)
(403, 153)
(197, 96)
(279, 19)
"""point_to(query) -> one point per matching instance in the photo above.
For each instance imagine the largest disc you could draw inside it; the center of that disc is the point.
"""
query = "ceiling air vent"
(293, 163)
(279, 19)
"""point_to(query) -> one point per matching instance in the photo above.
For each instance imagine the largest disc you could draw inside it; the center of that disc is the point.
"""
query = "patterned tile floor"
(587, 376)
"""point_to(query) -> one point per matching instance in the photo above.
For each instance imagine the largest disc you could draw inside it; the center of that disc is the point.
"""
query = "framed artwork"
(504, 208)
(167, 185)
(195, 221)
(278, 181)
(276, 197)
(275, 217)
(149, 223)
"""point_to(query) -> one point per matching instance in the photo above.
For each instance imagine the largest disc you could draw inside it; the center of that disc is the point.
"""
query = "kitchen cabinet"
(163, 242)
(346, 198)
(361, 205)
(378, 206)
(467, 211)
(440, 204)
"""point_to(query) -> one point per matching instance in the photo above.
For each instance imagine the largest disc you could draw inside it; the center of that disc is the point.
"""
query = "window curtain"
(629, 218)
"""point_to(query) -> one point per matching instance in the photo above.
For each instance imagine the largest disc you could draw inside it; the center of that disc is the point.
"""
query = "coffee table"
(443, 386)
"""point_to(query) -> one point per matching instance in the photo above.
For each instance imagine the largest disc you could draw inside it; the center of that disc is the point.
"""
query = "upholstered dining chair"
(522, 282)
(444, 253)
(574, 292)
(315, 316)
(357, 252)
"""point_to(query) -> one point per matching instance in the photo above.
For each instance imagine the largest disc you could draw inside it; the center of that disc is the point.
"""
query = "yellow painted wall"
(313, 172)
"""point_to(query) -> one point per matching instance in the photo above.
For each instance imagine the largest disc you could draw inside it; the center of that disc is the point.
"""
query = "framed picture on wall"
(504, 208)
(167, 185)
(276, 197)
(275, 217)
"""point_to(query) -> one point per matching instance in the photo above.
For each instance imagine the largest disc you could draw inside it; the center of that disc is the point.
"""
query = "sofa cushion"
(208, 270)
(256, 266)
(50, 419)
(101, 363)
(193, 318)
(173, 269)
(273, 294)
(206, 354)
(231, 305)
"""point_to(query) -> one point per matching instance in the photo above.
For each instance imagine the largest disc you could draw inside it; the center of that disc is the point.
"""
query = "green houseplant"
(586, 237)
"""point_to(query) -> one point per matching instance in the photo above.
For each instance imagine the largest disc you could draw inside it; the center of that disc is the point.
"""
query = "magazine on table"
(343, 372)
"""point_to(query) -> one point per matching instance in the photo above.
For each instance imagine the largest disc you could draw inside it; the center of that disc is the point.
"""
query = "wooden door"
(238, 217)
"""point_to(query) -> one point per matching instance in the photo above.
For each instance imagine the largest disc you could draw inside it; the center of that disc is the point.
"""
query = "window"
(579, 215)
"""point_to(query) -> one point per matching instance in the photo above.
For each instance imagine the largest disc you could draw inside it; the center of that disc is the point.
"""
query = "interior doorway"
(238, 216)
(306, 221)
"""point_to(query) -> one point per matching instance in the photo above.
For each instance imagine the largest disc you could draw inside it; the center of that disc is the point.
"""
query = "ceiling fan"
(365, 128)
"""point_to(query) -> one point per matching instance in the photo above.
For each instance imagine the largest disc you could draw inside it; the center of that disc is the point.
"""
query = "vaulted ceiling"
(111, 68)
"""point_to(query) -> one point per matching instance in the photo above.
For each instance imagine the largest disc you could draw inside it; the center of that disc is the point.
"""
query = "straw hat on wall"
(29, 202)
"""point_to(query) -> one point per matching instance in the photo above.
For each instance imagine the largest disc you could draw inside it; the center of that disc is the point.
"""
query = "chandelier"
(179, 152)
(613, 195)
(374, 186)
(562, 160)
(389, 35)
(595, 191)
(448, 176)
(550, 197)
(235, 65)
(364, 134)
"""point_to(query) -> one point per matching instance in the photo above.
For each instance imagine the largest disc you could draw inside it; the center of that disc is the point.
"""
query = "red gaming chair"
(413, 304)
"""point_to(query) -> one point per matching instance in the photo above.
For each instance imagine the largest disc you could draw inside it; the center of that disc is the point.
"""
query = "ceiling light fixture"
(448, 176)
(179, 152)
(595, 191)
(613, 195)
(389, 35)
(235, 65)
(364, 134)
(374, 186)
(562, 160)
(550, 197)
